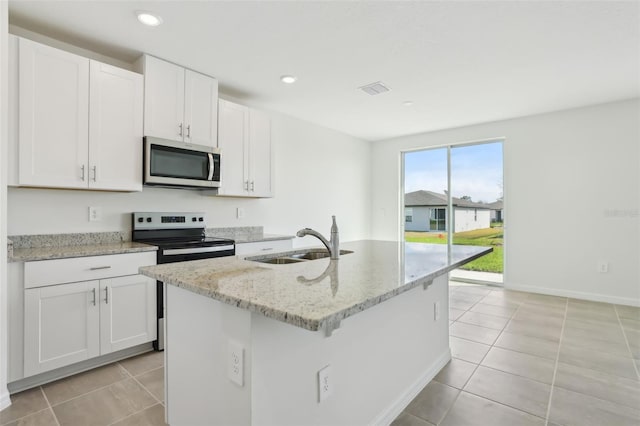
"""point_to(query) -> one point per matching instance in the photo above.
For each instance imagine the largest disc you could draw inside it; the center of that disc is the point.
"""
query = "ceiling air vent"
(374, 88)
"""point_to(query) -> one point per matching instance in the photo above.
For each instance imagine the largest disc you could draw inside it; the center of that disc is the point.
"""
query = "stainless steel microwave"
(180, 165)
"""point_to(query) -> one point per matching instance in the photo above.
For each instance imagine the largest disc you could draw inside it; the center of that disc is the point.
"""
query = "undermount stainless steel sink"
(317, 254)
(302, 256)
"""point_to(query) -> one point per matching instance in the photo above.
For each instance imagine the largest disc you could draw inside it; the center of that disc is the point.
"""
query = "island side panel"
(198, 331)
(380, 359)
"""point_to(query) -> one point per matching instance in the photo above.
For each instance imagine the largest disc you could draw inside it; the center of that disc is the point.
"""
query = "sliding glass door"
(453, 195)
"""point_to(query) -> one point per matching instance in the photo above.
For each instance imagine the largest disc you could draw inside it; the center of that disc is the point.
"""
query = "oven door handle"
(174, 252)
(210, 177)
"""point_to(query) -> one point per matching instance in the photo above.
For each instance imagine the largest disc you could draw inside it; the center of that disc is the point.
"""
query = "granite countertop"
(318, 294)
(60, 252)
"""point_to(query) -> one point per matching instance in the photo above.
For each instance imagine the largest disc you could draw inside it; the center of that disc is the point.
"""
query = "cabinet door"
(61, 326)
(260, 154)
(232, 141)
(115, 128)
(201, 109)
(164, 99)
(53, 117)
(127, 312)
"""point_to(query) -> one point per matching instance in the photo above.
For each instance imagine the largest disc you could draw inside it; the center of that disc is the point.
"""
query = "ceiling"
(460, 63)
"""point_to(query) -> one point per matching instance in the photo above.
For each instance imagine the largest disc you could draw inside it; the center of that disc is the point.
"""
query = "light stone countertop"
(28, 254)
(317, 294)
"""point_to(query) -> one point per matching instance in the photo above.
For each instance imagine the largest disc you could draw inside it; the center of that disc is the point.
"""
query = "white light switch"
(235, 363)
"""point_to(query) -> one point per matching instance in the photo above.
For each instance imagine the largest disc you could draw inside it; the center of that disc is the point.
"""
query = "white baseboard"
(5, 399)
(594, 297)
(397, 406)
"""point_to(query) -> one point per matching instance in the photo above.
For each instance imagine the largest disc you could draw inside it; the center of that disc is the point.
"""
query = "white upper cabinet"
(234, 125)
(53, 116)
(79, 122)
(180, 104)
(260, 154)
(201, 109)
(115, 128)
(246, 151)
(164, 99)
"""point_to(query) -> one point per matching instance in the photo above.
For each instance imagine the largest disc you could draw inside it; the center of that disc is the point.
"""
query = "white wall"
(572, 197)
(4, 394)
(318, 172)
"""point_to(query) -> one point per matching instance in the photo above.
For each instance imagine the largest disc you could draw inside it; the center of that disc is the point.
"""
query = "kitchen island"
(245, 341)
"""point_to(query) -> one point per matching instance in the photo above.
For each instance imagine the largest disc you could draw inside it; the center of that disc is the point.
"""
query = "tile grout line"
(555, 367)
(50, 406)
(626, 341)
(476, 365)
(131, 376)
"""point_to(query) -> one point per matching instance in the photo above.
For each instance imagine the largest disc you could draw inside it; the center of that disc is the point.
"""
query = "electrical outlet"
(235, 363)
(436, 311)
(240, 212)
(603, 267)
(95, 214)
(325, 385)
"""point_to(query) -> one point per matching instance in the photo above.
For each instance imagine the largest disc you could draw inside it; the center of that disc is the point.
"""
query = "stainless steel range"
(180, 237)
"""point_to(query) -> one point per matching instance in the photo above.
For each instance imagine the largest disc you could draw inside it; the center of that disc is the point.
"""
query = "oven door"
(170, 163)
(182, 254)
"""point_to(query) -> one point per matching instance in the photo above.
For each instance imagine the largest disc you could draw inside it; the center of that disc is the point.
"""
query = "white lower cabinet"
(127, 312)
(72, 322)
(61, 326)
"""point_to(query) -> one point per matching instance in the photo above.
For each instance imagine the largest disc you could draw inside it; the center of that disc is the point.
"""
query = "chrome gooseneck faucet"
(333, 245)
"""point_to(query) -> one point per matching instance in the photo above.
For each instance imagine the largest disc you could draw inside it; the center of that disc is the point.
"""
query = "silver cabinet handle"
(189, 131)
(253, 186)
(246, 185)
(93, 290)
(106, 295)
(97, 268)
(95, 173)
(180, 132)
(82, 171)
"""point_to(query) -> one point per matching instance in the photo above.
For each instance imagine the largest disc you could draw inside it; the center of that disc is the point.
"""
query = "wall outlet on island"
(325, 383)
(240, 212)
(235, 363)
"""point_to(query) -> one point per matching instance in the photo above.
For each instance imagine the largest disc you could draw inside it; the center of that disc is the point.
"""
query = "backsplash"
(65, 240)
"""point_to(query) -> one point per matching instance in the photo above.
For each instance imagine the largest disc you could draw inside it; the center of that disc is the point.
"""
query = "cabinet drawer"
(263, 247)
(58, 271)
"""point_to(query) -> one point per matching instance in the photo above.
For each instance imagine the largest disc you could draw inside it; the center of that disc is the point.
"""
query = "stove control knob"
(201, 219)
(193, 219)
(148, 219)
(140, 219)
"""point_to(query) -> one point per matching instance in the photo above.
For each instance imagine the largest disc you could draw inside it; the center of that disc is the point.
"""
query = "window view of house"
(475, 178)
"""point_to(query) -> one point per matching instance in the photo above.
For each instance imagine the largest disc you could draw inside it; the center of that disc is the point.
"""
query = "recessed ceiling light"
(407, 103)
(149, 18)
(289, 79)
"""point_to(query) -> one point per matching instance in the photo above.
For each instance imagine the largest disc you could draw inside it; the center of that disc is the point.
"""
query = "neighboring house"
(497, 214)
(427, 211)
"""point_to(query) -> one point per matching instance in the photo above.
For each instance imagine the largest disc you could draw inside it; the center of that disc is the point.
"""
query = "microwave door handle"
(210, 177)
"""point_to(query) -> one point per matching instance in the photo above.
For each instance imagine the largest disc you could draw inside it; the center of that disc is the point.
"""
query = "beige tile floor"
(128, 392)
(518, 359)
(529, 359)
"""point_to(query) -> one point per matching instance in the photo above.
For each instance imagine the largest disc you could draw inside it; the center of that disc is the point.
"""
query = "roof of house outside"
(429, 198)
(496, 205)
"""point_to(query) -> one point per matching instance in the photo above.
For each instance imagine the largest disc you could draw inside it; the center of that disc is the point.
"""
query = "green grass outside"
(489, 237)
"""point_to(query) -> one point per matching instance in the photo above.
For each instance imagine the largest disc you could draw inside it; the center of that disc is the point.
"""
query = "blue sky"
(476, 170)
